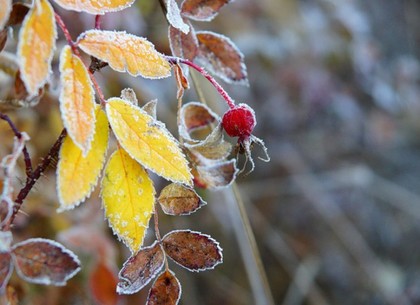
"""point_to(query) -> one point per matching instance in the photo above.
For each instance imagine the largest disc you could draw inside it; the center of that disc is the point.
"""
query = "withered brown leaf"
(215, 176)
(176, 199)
(221, 57)
(6, 269)
(140, 269)
(102, 282)
(181, 81)
(202, 10)
(192, 250)
(181, 44)
(166, 290)
(18, 13)
(44, 261)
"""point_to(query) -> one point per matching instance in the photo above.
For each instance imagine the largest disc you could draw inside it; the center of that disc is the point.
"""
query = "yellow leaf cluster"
(36, 46)
(128, 197)
(125, 53)
(77, 99)
(147, 141)
(96, 7)
(77, 174)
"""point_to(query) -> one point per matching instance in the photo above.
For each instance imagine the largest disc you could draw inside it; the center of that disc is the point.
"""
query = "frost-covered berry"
(239, 121)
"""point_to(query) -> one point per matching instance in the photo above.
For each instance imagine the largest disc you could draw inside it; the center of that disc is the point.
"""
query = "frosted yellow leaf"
(125, 53)
(6, 8)
(36, 46)
(77, 99)
(128, 196)
(95, 6)
(77, 174)
(147, 141)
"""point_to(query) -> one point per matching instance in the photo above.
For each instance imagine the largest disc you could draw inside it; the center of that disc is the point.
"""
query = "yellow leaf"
(125, 52)
(95, 6)
(6, 8)
(77, 99)
(147, 141)
(128, 196)
(77, 175)
(36, 46)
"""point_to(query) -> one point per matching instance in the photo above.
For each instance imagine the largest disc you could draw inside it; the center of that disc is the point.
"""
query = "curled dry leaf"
(221, 57)
(96, 7)
(147, 141)
(77, 100)
(77, 174)
(128, 196)
(176, 199)
(140, 269)
(44, 261)
(125, 53)
(173, 15)
(6, 269)
(192, 250)
(183, 45)
(36, 45)
(195, 116)
(202, 10)
(215, 176)
(102, 282)
(6, 8)
(128, 94)
(19, 11)
(181, 81)
(166, 290)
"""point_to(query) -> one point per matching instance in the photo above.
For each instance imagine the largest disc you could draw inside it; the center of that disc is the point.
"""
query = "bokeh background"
(336, 88)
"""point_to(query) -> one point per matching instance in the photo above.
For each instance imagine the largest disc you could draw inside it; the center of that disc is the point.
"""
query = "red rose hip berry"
(239, 121)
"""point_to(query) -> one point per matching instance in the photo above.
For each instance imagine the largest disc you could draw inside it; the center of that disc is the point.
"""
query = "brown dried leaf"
(221, 57)
(216, 176)
(202, 10)
(6, 269)
(19, 11)
(195, 116)
(176, 199)
(166, 290)
(181, 81)
(140, 269)
(192, 250)
(183, 45)
(102, 282)
(44, 261)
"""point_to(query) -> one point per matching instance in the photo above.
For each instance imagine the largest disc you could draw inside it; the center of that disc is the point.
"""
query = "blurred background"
(336, 89)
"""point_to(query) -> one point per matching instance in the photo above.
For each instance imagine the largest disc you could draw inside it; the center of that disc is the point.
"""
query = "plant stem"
(202, 71)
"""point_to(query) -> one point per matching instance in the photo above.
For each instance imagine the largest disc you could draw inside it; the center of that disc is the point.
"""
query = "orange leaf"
(6, 8)
(165, 290)
(102, 282)
(95, 6)
(77, 100)
(36, 46)
(125, 53)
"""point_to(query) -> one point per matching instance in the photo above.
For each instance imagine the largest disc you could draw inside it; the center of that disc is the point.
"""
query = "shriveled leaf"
(77, 100)
(192, 250)
(6, 269)
(36, 45)
(19, 11)
(128, 94)
(147, 141)
(195, 116)
(183, 45)
(176, 199)
(125, 53)
(44, 261)
(212, 149)
(150, 108)
(102, 282)
(215, 176)
(166, 290)
(181, 81)
(140, 269)
(202, 10)
(128, 196)
(6, 8)
(77, 175)
(221, 57)
(96, 7)
(173, 15)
